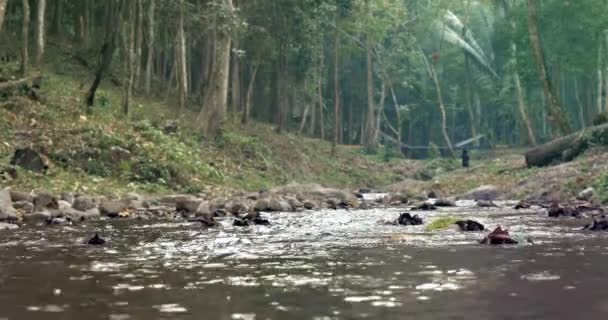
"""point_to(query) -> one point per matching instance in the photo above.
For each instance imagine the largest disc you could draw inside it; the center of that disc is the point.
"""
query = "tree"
(558, 117)
(2, 12)
(151, 44)
(181, 60)
(40, 30)
(25, 31)
(129, 21)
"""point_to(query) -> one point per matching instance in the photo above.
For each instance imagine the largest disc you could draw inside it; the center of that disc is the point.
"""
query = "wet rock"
(112, 208)
(7, 211)
(365, 190)
(294, 203)
(24, 206)
(394, 199)
(83, 203)
(586, 195)
(203, 210)
(470, 225)
(309, 205)
(236, 207)
(445, 203)
(207, 222)
(45, 200)
(240, 223)
(564, 210)
(259, 221)
(599, 224)
(486, 204)
(407, 219)
(188, 204)
(427, 206)
(18, 196)
(67, 197)
(91, 214)
(38, 217)
(488, 192)
(72, 214)
(498, 237)
(132, 196)
(433, 195)
(29, 159)
(523, 204)
(8, 226)
(261, 205)
(96, 240)
(358, 195)
(58, 222)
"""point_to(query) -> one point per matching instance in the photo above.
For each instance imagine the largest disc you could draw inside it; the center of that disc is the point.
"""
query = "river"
(312, 265)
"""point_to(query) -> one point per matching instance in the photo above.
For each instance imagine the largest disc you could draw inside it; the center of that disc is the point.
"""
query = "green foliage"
(442, 223)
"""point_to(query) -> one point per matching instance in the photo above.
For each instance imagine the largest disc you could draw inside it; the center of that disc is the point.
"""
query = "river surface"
(311, 265)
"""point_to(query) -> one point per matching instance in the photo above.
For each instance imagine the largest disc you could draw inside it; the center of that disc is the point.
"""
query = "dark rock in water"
(365, 190)
(445, 203)
(259, 221)
(558, 210)
(523, 204)
(486, 204)
(208, 222)
(407, 219)
(240, 223)
(498, 237)
(599, 224)
(96, 240)
(427, 206)
(358, 195)
(309, 205)
(433, 195)
(31, 160)
(57, 221)
(470, 225)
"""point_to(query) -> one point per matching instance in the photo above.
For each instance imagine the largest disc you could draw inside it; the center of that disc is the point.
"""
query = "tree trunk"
(605, 33)
(599, 77)
(236, 81)
(139, 34)
(336, 93)
(25, 38)
(399, 131)
(107, 50)
(40, 31)
(249, 96)
(151, 43)
(2, 12)
(129, 50)
(214, 105)
(558, 117)
(370, 118)
(581, 109)
(182, 78)
(321, 103)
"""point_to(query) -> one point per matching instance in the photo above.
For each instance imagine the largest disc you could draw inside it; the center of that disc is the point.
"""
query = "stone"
(96, 240)
(488, 192)
(498, 237)
(309, 205)
(486, 204)
(203, 210)
(17, 196)
(7, 211)
(240, 223)
(67, 197)
(407, 219)
(599, 224)
(470, 225)
(37, 217)
(63, 205)
(394, 199)
(445, 203)
(8, 226)
(188, 204)
(45, 200)
(586, 195)
(112, 208)
(91, 214)
(29, 159)
(262, 205)
(58, 222)
(24, 206)
(132, 196)
(236, 207)
(426, 206)
(83, 203)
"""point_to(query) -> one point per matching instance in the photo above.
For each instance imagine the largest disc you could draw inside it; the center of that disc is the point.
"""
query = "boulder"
(63, 205)
(236, 207)
(309, 205)
(498, 237)
(83, 203)
(58, 221)
(488, 192)
(486, 204)
(294, 203)
(262, 205)
(17, 196)
(470, 225)
(24, 206)
(37, 217)
(445, 203)
(204, 210)
(112, 208)
(394, 199)
(132, 196)
(188, 204)
(406, 219)
(7, 211)
(8, 226)
(29, 159)
(426, 206)
(91, 214)
(277, 205)
(67, 197)
(586, 195)
(599, 224)
(45, 200)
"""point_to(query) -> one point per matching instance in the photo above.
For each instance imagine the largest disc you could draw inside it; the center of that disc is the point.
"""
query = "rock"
(599, 224)
(445, 203)
(58, 222)
(67, 197)
(62, 204)
(17, 196)
(8, 226)
(240, 223)
(275, 205)
(498, 237)
(29, 159)
(309, 205)
(96, 240)
(365, 190)
(112, 208)
(433, 195)
(407, 219)
(483, 193)
(486, 204)
(203, 210)
(358, 195)
(208, 222)
(218, 203)
(24, 206)
(523, 204)
(586, 195)
(45, 200)
(188, 204)
(294, 203)
(38, 217)
(91, 214)
(427, 206)
(118, 154)
(470, 225)
(7, 211)
(394, 199)
(72, 214)
(83, 203)
(261, 205)
(566, 210)
(236, 207)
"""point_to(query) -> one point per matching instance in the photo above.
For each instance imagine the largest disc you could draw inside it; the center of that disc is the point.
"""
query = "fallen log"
(22, 86)
(568, 147)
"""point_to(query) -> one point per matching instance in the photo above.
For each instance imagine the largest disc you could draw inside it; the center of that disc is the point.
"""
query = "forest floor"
(105, 153)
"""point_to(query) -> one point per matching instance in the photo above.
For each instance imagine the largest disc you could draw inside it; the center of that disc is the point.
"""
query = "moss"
(442, 223)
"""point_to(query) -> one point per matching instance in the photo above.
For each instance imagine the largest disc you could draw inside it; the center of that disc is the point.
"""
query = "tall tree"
(336, 92)
(182, 72)
(40, 30)
(25, 31)
(151, 45)
(555, 110)
(129, 19)
(2, 12)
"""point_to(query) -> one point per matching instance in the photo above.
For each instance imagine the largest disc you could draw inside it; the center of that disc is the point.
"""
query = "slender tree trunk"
(107, 50)
(581, 109)
(181, 60)
(151, 43)
(605, 33)
(25, 37)
(214, 105)
(236, 81)
(306, 109)
(321, 102)
(399, 131)
(599, 77)
(2, 12)
(313, 118)
(129, 50)
(558, 116)
(444, 129)
(249, 96)
(336, 93)
(40, 31)
(139, 35)
(370, 118)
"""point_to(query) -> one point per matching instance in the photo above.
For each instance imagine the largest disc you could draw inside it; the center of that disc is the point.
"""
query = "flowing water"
(312, 265)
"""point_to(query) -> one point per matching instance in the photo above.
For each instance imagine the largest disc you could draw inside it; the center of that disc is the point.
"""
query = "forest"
(407, 75)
